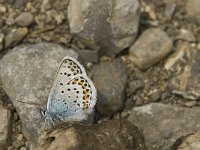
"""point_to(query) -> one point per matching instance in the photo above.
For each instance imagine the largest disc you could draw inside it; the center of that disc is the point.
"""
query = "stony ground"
(151, 79)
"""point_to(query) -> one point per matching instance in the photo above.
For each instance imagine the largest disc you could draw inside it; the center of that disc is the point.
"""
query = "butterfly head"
(44, 112)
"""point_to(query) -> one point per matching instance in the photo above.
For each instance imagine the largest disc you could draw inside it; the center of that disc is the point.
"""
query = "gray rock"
(162, 124)
(15, 37)
(184, 63)
(27, 73)
(107, 25)
(110, 80)
(114, 134)
(186, 35)
(187, 142)
(5, 127)
(135, 85)
(169, 10)
(89, 55)
(193, 11)
(155, 95)
(190, 103)
(9, 1)
(24, 19)
(150, 48)
(20, 3)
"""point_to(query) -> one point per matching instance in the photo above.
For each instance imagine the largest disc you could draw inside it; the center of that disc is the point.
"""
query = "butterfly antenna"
(29, 103)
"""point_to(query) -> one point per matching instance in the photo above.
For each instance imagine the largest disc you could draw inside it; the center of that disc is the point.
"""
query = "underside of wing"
(72, 90)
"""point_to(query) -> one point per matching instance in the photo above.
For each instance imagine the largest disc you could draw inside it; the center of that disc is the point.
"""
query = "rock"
(5, 127)
(2, 9)
(162, 124)
(190, 103)
(2, 21)
(184, 64)
(24, 19)
(188, 142)
(135, 85)
(150, 48)
(114, 134)
(155, 95)
(20, 3)
(193, 11)
(110, 80)
(186, 35)
(15, 37)
(169, 10)
(27, 73)
(89, 55)
(107, 25)
(9, 1)
(1, 41)
(58, 16)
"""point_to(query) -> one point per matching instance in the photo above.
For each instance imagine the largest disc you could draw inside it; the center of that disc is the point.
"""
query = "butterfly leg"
(53, 123)
(60, 118)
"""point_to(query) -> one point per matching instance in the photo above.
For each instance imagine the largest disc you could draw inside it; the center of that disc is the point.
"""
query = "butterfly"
(73, 94)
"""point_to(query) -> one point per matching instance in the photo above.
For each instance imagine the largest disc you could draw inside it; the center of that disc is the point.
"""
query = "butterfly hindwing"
(72, 91)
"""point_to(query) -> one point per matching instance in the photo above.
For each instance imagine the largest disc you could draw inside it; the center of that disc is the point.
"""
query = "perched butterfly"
(72, 96)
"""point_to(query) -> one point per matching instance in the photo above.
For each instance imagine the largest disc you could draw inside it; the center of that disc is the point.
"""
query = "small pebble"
(2, 9)
(15, 36)
(22, 148)
(24, 19)
(190, 103)
(20, 137)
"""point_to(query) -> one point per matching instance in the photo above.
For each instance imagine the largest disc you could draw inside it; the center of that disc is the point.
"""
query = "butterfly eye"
(43, 112)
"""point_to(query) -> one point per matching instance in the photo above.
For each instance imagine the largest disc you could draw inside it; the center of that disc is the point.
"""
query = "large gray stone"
(153, 45)
(27, 73)
(5, 127)
(114, 134)
(110, 80)
(163, 124)
(107, 25)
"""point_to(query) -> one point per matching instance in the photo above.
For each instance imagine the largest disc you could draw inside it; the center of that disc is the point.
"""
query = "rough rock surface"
(27, 73)
(188, 142)
(114, 134)
(110, 80)
(184, 64)
(104, 24)
(5, 127)
(193, 11)
(150, 48)
(163, 124)
(89, 55)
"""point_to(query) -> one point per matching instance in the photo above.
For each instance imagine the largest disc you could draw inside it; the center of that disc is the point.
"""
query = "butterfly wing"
(73, 92)
(68, 68)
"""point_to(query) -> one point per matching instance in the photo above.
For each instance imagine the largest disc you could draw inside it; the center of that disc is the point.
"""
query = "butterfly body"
(72, 96)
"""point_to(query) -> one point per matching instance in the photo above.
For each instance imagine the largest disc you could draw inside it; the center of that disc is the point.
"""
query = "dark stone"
(89, 55)
(114, 134)
(110, 80)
